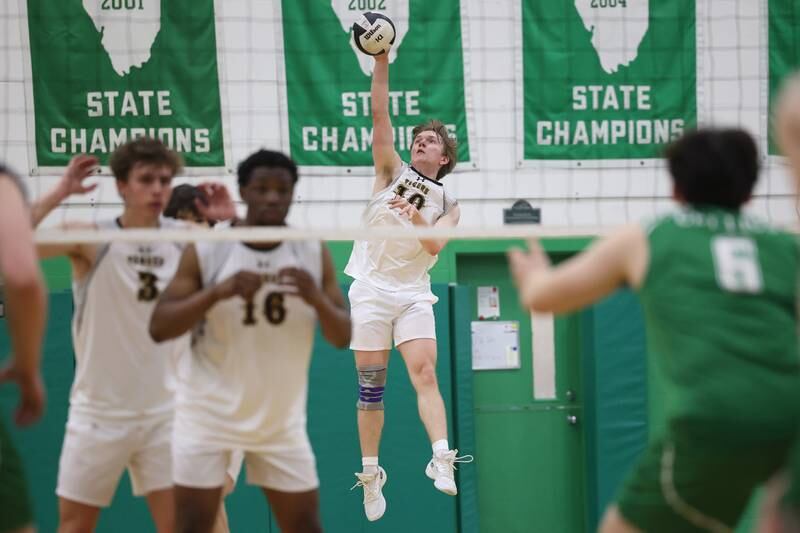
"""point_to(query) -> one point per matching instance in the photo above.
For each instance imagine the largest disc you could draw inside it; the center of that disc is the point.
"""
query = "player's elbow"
(340, 337)
(536, 299)
(432, 247)
(23, 275)
(156, 328)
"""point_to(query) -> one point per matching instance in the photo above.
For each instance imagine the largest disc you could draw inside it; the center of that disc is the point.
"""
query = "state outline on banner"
(223, 150)
(521, 159)
(313, 170)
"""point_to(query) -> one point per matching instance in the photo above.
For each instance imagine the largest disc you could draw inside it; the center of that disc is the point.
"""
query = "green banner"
(108, 71)
(784, 50)
(607, 79)
(328, 80)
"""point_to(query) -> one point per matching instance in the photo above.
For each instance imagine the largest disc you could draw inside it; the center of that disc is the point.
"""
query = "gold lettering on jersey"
(270, 277)
(154, 261)
(417, 184)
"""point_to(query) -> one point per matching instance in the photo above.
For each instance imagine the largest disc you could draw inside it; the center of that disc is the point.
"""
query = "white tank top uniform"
(399, 264)
(122, 402)
(246, 383)
(120, 371)
(391, 298)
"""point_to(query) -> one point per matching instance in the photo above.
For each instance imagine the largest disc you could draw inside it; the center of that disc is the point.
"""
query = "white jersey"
(246, 381)
(402, 263)
(120, 372)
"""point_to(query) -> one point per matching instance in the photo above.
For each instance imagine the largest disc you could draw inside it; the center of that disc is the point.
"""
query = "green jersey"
(720, 303)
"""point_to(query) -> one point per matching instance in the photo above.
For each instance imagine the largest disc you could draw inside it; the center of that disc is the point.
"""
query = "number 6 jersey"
(120, 372)
(247, 378)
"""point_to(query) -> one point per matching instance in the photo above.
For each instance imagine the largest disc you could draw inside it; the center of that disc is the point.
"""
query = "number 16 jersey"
(246, 381)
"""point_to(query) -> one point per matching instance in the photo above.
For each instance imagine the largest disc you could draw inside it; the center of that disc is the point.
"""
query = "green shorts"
(14, 502)
(678, 487)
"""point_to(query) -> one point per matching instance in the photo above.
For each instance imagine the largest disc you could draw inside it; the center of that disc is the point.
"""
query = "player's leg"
(76, 517)
(684, 484)
(371, 367)
(288, 477)
(372, 314)
(420, 358)
(196, 508)
(17, 512)
(162, 508)
(93, 457)
(198, 473)
(415, 337)
(150, 469)
(235, 466)
(295, 512)
(614, 522)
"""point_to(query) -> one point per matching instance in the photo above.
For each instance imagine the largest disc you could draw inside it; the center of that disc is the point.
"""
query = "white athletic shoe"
(374, 502)
(440, 469)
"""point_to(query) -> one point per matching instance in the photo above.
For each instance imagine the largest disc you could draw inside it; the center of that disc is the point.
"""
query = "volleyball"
(374, 33)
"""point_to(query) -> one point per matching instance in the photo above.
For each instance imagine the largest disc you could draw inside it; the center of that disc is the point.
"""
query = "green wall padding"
(462, 311)
(616, 362)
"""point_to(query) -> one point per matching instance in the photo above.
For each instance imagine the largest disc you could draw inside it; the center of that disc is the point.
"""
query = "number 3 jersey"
(720, 303)
(399, 263)
(246, 381)
(120, 372)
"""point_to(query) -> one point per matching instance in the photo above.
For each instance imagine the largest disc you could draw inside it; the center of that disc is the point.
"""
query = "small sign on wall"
(495, 345)
(488, 303)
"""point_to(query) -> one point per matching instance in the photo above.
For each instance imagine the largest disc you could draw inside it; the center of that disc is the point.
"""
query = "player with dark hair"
(253, 308)
(719, 291)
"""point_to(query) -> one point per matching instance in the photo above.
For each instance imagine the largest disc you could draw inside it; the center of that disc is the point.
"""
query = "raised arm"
(328, 301)
(387, 161)
(610, 263)
(72, 182)
(185, 301)
(81, 256)
(26, 300)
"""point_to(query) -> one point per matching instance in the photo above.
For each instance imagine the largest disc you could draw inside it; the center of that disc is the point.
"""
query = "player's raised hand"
(523, 264)
(31, 394)
(301, 280)
(217, 203)
(406, 209)
(243, 283)
(80, 167)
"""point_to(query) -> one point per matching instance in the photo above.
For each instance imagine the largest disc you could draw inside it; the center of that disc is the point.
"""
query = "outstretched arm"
(612, 262)
(185, 301)
(387, 161)
(334, 318)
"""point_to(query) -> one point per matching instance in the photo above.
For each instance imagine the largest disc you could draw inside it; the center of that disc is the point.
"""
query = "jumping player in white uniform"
(391, 296)
(254, 308)
(121, 408)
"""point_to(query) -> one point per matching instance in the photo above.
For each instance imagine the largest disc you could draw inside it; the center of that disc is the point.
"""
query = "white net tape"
(275, 234)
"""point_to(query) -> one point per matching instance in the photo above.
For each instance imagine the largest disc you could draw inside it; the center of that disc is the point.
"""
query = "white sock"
(440, 446)
(369, 464)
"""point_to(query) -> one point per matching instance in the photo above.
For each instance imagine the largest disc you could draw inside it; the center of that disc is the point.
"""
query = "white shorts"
(381, 316)
(285, 466)
(97, 451)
